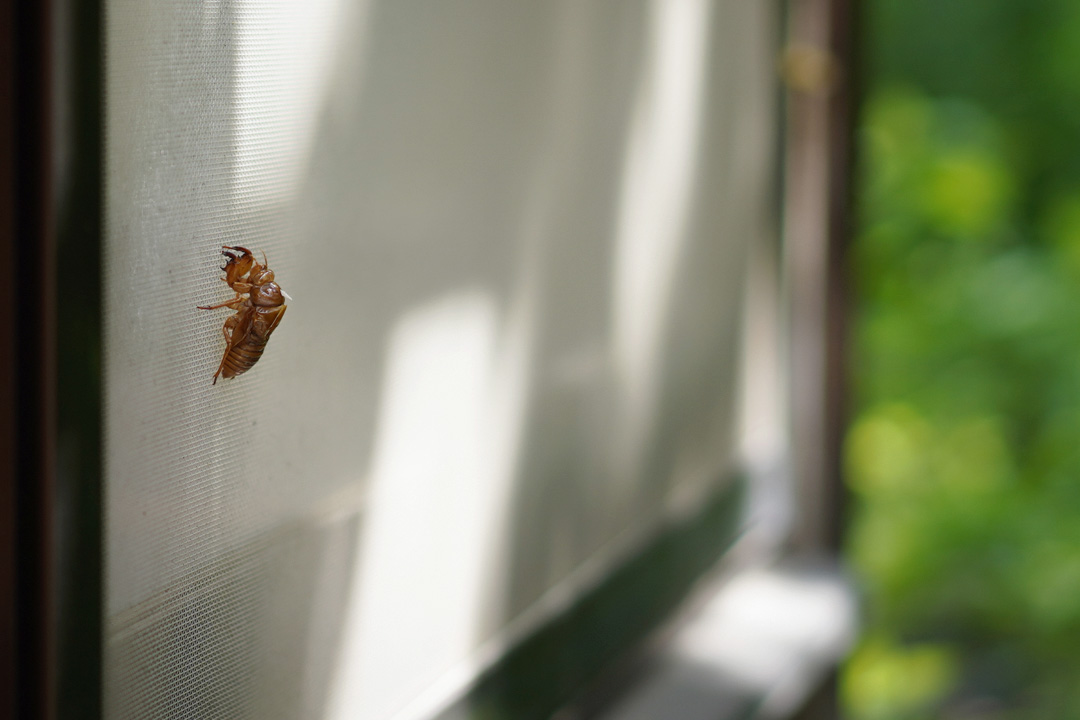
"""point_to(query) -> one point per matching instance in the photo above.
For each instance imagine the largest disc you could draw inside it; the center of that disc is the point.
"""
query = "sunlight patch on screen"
(654, 202)
(427, 564)
(286, 53)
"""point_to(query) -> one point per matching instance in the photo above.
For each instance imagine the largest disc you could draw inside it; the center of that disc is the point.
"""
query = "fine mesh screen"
(516, 236)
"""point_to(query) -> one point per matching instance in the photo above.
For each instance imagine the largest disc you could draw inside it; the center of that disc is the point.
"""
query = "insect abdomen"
(241, 357)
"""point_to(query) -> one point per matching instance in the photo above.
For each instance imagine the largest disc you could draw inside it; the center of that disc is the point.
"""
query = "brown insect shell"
(268, 295)
(260, 275)
(237, 267)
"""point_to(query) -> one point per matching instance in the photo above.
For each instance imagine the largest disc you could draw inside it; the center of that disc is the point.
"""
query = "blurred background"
(962, 456)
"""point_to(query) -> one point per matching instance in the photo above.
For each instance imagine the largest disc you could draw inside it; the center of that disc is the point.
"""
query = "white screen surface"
(516, 236)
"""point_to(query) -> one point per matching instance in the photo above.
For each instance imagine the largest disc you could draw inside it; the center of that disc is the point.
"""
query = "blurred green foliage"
(964, 455)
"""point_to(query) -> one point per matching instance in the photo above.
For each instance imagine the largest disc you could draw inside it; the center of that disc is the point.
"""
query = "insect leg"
(237, 265)
(228, 330)
(228, 303)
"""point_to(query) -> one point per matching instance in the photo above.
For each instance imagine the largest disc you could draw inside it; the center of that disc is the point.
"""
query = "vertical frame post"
(818, 70)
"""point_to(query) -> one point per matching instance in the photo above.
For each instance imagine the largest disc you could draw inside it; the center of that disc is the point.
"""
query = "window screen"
(517, 237)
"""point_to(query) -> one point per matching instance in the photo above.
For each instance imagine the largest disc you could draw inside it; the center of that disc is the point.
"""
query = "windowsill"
(758, 646)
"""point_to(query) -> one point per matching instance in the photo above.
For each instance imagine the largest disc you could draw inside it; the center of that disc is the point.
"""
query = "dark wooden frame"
(50, 389)
(27, 367)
